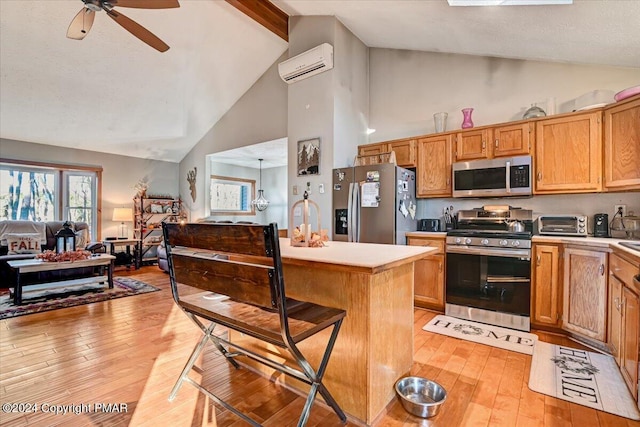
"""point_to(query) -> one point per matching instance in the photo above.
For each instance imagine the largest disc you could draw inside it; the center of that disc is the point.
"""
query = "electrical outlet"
(620, 208)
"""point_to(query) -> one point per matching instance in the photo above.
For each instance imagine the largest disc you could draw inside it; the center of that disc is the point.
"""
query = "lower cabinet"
(585, 293)
(545, 301)
(624, 318)
(429, 274)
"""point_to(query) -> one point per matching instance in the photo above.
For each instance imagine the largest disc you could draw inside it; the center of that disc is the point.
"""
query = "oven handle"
(509, 253)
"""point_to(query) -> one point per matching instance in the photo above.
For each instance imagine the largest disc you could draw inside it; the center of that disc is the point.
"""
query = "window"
(231, 196)
(44, 192)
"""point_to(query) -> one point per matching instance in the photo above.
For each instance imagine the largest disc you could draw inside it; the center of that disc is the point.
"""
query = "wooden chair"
(242, 263)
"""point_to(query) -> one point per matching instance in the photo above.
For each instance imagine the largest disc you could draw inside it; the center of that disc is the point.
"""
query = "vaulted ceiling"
(112, 93)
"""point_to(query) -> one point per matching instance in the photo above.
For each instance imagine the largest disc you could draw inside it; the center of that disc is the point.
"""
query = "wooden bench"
(242, 264)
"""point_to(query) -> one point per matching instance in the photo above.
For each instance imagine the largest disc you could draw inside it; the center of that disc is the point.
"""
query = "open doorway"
(235, 175)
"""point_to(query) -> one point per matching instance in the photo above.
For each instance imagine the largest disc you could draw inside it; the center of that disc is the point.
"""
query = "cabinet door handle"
(448, 181)
(484, 145)
(440, 267)
(538, 260)
(601, 269)
(539, 176)
(496, 143)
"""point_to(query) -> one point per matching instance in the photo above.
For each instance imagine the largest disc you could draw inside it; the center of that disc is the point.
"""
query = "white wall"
(119, 174)
(408, 87)
(259, 115)
(332, 106)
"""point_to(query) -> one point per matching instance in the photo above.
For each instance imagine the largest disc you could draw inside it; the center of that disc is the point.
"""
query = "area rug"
(45, 300)
(582, 377)
(508, 339)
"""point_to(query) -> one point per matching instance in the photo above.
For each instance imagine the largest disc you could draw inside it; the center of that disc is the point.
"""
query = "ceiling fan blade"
(138, 30)
(81, 24)
(145, 4)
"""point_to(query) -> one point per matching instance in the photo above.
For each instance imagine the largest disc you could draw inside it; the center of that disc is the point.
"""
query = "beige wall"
(119, 174)
(408, 87)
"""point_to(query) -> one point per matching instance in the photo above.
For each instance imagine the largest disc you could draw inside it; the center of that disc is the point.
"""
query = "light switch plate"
(321, 188)
(295, 190)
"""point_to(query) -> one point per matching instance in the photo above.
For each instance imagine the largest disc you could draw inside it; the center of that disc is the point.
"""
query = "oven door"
(489, 279)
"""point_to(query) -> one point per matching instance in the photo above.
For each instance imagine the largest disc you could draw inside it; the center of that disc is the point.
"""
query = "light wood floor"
(131, 350)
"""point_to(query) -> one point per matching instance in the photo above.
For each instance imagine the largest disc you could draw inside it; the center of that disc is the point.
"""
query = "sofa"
(32, 232)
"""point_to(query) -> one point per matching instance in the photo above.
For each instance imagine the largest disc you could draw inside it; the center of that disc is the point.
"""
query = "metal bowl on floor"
(420, 397)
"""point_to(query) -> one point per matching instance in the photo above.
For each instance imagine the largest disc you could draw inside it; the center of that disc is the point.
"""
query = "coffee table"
(34, 265)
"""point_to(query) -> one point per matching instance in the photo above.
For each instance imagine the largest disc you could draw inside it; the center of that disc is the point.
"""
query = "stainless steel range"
(489, 267)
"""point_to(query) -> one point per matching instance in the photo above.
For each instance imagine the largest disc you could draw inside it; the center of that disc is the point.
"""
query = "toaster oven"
(562, 225)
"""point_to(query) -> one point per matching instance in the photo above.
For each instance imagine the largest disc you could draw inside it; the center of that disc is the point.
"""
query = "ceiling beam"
(265, 13)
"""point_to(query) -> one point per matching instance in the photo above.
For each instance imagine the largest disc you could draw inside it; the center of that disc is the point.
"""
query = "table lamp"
(122, 215)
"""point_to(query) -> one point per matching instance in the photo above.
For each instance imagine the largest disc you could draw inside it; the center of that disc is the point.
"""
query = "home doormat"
(582, 377)
(508, 339)
(45, 300)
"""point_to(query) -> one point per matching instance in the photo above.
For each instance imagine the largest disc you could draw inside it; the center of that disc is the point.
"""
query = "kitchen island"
(374, 284)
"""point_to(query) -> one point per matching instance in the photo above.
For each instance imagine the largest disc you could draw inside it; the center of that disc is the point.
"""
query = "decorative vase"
(466, 121)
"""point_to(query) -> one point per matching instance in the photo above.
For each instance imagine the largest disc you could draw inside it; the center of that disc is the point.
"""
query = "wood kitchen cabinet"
(433, 173)
(584, 305)
(624, 317)
(546, 303)
(622, 146)
(513, 140)
(568, 155)
(372, 149)
(473, 144)
(405, 150)
(429, 274)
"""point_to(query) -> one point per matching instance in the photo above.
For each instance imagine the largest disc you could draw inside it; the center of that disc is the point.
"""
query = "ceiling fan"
(82, 22)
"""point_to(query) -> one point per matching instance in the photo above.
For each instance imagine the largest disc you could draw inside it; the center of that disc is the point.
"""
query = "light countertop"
(440, 234)
(597, 242)
(366, 257)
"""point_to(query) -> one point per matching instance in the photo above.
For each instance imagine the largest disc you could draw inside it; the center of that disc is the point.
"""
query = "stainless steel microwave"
(502, 177)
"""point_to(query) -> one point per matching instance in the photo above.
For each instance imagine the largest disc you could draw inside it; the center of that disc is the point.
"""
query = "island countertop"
(363, 257)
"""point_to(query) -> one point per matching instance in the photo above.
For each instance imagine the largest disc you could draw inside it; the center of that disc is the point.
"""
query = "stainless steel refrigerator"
(374, 204)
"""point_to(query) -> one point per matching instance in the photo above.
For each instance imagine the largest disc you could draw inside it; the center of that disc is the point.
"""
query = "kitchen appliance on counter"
(429, 224)
(601, 225)
(374, 203)
(562, 225)
(502, 177)
(489, 267)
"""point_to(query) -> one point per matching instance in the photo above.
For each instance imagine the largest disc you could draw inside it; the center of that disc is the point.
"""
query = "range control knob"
(503, 242)
(485, 241)
(467, 241)
(515, 243)
(458, 240)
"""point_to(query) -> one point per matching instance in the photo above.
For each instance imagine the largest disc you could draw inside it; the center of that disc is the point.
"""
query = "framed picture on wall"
(309, 157)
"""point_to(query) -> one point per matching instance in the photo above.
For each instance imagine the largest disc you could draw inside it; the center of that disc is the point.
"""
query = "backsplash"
(585, 204)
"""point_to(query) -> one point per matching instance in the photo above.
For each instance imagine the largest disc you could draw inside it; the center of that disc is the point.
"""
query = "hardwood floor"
(129, 351)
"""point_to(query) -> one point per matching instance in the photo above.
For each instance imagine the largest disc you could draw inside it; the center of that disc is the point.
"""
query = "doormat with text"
(582, 377)
(508, 339)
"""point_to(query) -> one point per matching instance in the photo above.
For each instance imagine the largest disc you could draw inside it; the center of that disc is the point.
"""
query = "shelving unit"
(149, 214)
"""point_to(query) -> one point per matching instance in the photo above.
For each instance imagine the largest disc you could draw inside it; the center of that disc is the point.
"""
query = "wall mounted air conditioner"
(307, 64)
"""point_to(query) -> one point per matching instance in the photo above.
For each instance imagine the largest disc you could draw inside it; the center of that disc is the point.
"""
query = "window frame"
(62, 172)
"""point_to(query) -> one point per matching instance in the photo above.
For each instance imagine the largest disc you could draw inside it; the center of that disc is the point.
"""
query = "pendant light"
(260, 203)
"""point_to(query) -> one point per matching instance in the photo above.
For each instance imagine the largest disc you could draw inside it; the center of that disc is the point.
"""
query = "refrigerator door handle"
(356, 211)
(350, 214)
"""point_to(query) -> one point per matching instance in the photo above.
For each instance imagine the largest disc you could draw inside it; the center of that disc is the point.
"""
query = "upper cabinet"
(405, 150)
(472, 144)
(372, 149)
(513, 140)
(622, 146)
(433, 173)
(568, 154)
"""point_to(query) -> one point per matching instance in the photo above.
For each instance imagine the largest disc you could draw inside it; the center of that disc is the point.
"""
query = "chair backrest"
(240, 261)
